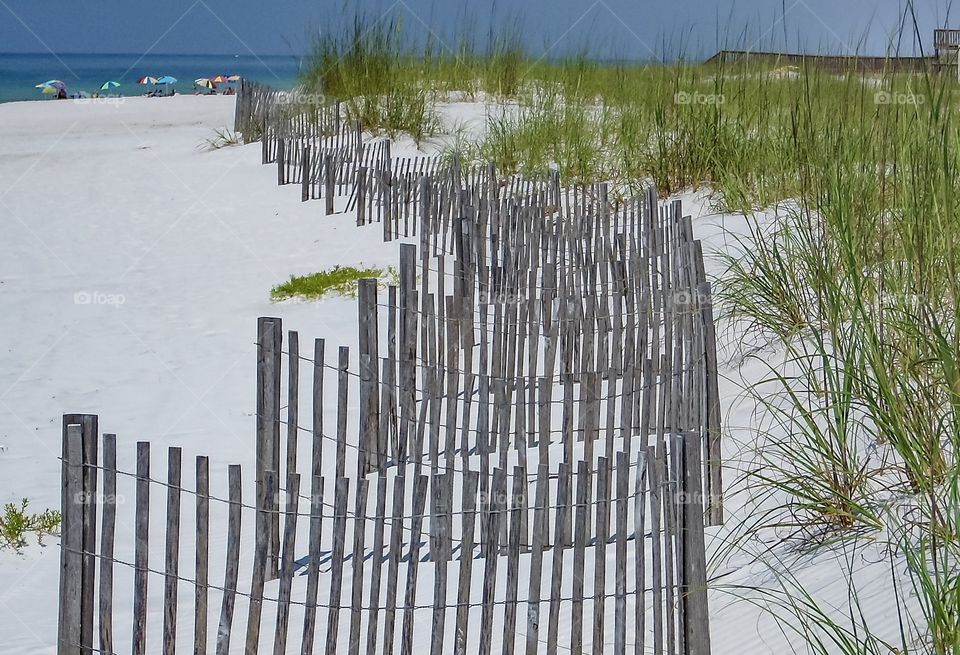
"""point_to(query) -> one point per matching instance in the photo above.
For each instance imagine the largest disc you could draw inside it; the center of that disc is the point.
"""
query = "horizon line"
(153, 54)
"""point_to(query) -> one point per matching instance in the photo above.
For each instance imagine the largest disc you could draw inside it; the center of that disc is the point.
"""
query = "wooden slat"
(513, 559)
(316, 469)
(493, 518)
(287, 563)
(305, 184)
(413, 561)
(639, 541)
(201, 555)
(142, 531)
(356, 561)
(361, 195)
(620, 591)
(369, 375)
(408, 345)
(293, 398)
(269, 342)
(71, 542)
(470, 483)
(556, 575)
(540, 541)
(343, 387)
(579, 554)
(232, 564)
(328, 179)
(440, 531)
(396, 545)
(376, 562)
(90, 432)
(694, 594)
(669, 494)
(107, 533)
(600, 551)
(261, 539)
(313, 565)
(336, 562)
(654, 477)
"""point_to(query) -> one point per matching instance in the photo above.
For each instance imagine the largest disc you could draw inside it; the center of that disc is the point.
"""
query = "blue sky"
(608, 28)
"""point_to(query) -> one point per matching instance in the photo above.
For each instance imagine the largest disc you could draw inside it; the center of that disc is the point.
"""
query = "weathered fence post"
(171, 552)
(361, 195)
(107, 533)
(86, 508)
(269, 341)
(328, 182)
(232, 565)
(140, 557)
(306, 181)
(369, 377)
(71, 543)
(201, 555)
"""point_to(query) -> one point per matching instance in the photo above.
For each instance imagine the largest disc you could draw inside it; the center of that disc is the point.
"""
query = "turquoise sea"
(19, 73)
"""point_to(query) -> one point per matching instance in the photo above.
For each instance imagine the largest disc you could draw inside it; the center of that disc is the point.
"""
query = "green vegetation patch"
(339, 280)
(16, 522)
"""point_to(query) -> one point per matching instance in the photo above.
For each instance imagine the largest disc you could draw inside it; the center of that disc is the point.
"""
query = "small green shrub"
(16, 522)
(339, 280)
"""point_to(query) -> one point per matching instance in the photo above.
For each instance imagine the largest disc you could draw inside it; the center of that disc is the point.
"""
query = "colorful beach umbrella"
(233, 78)
(204, 82)
(46, 89)
(109, 85)
(166, 79)
(56, 84)
(219, 79)
(147, 80)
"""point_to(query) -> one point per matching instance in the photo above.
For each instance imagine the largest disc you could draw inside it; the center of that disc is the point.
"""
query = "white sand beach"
(133, 267)
(134, 263)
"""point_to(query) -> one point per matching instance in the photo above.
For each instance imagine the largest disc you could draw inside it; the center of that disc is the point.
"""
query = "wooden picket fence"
(538, 434)
(374, 549)
(597, 270)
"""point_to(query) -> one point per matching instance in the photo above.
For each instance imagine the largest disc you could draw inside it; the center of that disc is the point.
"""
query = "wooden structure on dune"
(946, 45)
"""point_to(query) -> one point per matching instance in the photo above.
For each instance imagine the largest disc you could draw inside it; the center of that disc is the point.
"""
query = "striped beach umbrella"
(147, 80)
(166, 79)
(109, 85)
(204, 82)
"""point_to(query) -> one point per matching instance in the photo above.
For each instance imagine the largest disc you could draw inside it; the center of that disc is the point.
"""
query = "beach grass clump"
(551, 133)
(222, 138)
(502, 71)
(369, 68)
(339, 281)
(933, 563)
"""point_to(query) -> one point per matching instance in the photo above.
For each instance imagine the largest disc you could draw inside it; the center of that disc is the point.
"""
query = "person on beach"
(61, 93)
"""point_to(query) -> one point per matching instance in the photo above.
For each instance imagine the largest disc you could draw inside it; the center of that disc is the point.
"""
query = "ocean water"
(19, 73)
